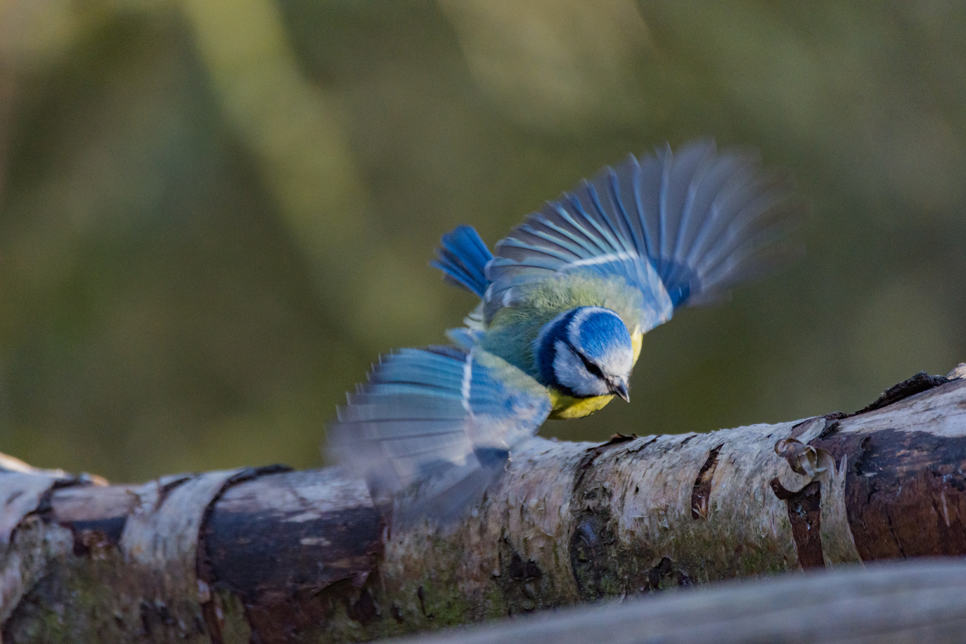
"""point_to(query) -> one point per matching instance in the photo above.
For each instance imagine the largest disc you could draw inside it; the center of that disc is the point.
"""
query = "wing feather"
(434, 427)
(680, 227)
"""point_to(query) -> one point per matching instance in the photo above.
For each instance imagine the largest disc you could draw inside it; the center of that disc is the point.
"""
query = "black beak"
(621, 390)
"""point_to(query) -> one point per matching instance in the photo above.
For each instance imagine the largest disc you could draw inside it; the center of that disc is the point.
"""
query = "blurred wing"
(690, 225)
(436, 425)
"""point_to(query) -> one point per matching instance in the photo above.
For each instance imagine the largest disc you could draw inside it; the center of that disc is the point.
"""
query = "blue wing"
(434, 427)
(463, 258)
(691, 225)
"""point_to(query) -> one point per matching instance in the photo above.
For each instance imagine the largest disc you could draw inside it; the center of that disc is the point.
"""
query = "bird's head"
(586, 352)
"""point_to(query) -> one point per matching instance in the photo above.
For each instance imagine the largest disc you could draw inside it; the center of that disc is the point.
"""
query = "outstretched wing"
(434, 427)
(463, 258)
(683, 227)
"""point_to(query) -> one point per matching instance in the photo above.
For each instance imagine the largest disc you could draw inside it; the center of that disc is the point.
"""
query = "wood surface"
(921, 602)
(271, 555)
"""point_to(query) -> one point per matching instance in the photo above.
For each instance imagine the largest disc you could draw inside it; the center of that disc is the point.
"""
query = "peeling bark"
(277, 556)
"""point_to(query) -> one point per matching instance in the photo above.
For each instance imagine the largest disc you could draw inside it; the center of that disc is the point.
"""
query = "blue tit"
(565, 303)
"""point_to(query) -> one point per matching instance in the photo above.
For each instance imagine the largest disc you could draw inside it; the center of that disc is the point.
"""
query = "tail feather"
(463, 258)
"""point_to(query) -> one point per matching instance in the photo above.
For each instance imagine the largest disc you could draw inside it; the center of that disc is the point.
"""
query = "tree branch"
(274, 556)
(905, 603)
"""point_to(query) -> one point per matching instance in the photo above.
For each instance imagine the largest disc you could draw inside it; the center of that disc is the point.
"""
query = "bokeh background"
(215, 214)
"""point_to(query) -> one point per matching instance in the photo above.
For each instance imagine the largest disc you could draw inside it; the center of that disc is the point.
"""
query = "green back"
(511, 333)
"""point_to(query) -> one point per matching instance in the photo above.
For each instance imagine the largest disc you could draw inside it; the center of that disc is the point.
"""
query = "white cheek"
(618, 362)
(570, 372)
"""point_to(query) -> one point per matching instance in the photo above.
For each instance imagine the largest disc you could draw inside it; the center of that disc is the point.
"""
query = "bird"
(565, 300)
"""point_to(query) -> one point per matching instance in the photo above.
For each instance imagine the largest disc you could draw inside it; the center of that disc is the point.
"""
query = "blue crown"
(594, 333)
(598, 333)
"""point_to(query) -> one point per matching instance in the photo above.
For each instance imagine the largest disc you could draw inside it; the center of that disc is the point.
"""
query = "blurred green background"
(215, 214)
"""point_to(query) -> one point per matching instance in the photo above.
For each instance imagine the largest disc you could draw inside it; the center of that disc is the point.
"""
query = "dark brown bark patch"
(591, 537)
(257, 559)
(294, 547)
(303, 613)
(832, 425)
(905, 492)
(248, 474)
(519, 582)
(666, 574)
(421, 595)
(919, 383)
(93, 514)
(214, 623)
(805, 515)
(212, 616)
(94, 538)
(701, 490)
(364, 609)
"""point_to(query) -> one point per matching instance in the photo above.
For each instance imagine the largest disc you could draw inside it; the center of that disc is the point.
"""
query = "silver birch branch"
(278, 556)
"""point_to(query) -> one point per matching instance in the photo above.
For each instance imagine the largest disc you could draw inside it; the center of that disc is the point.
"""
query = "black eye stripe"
(590, 366)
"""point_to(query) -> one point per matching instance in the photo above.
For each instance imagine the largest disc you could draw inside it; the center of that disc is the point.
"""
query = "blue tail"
(463, 258)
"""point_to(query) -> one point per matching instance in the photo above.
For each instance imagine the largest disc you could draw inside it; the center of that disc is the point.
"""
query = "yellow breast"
(566, 407)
